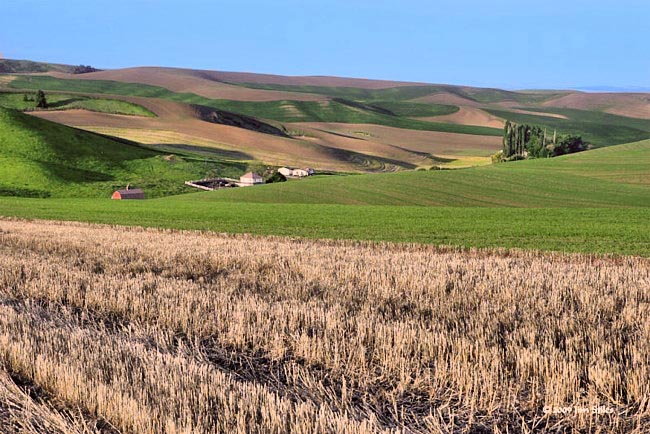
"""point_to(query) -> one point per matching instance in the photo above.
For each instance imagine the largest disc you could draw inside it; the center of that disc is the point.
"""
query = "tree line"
(39, 99)
(522, 141)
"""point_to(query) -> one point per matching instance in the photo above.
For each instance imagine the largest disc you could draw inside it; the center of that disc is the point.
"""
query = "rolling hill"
(609, 177)
(40, 158)
(329, 123)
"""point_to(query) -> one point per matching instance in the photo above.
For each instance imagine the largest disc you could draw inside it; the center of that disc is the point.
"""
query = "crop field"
(284, 111)
(612, 176)
(142, 331)
(621, 231)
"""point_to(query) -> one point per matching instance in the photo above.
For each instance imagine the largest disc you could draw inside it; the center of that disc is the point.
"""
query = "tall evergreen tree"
(41, 101)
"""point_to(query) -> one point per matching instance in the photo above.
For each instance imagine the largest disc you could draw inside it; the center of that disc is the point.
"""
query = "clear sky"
(507, 43)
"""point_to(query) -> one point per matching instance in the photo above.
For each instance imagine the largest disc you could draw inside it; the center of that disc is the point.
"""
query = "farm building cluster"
(246, 180)
(210, 184)
(291, 172)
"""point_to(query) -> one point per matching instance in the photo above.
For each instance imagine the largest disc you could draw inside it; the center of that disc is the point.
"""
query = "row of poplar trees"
(524, 139)
(533, 141)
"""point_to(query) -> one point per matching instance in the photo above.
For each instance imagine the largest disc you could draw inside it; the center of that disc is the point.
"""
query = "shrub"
(276, 177)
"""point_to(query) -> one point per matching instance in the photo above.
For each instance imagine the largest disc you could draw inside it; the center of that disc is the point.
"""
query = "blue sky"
(509, 44)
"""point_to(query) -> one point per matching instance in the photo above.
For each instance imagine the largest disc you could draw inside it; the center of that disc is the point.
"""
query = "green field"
(61, 101)
(608, 177)
(282, 111)
(606, 230)
(594, 201)
(39, 158)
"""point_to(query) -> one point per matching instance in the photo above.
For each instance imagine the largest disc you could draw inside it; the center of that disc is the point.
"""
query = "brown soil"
(636, 105)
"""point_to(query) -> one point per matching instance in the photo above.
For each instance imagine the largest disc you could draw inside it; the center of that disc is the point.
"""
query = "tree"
(532, 141)
(276, 177)
(83, 69)
(41, 102)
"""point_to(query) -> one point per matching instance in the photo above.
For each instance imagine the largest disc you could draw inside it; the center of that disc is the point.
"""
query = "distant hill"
(330, 123)
(11, 66)
(40, 158)
(628, 89)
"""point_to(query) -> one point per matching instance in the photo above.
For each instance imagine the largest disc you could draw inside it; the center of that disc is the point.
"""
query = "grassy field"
(58, 101)
(600, 230)
(282, 111)
(145, 331)
(40, 159)
(613, 176)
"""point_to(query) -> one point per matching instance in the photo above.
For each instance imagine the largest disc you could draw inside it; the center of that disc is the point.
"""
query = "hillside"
(608, 177)
(329, 123)
(40, 158)
(14, 66)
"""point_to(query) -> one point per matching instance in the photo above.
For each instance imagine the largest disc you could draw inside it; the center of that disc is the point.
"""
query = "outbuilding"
(250, 178)
(286, 171)
(128, 193)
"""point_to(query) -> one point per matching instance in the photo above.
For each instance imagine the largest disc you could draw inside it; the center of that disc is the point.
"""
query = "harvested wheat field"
(147, 331)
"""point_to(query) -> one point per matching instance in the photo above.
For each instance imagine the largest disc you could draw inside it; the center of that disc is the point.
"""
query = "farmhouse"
(250, 178)
(296, 173)
(286, 171)
(128, 193)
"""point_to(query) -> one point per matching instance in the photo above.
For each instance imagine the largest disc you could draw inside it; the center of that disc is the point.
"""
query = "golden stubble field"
(111, 329)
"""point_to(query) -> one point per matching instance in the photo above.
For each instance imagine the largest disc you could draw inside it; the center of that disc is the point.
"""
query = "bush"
(276, 177)
(83, 69)
(498, 157)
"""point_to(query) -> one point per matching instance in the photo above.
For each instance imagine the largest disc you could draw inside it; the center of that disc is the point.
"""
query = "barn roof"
(131, 192)
(250, 175)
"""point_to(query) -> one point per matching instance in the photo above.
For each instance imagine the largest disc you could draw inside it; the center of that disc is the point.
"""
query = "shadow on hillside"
(222, 117)
(64, 102)
(73, 174)
(367, 162)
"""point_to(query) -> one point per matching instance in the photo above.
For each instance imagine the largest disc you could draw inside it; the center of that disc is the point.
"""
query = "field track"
(172, 331)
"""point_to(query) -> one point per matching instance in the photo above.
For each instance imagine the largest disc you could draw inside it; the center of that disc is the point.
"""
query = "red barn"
(129, 193)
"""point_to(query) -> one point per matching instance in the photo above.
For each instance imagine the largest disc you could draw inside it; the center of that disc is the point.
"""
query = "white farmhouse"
(250, 178)
(286, 171)
(290, 172)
